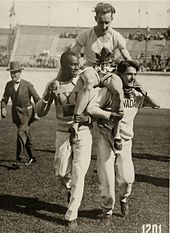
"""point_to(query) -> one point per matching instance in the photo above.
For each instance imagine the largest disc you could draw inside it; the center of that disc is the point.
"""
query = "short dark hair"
(104, 8)
(65, 55)
(123, 65)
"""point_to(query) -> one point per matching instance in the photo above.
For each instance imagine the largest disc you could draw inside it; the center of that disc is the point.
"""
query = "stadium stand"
(6, 43)
(38, 45)
(41, 46)
(153, 47)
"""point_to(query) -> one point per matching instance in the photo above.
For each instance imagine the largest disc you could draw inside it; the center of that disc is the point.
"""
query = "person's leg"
(63, 155)
(90, 79)
(28, 147)
(29, 143)
(63, 160)
(125, 171)
(19, 149)
(80, 165)
(114, 84)
(21, 139)
(106, 173)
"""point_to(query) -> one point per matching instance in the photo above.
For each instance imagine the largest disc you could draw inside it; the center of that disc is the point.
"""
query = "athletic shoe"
(118, 143)
(72, 225)
(73, 135)
(31, 160)
(124, 208)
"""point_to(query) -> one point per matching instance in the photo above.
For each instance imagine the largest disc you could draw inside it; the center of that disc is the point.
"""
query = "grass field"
(32, 202)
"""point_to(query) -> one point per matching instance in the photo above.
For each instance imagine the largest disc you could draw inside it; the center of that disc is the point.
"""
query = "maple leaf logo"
(103, 57)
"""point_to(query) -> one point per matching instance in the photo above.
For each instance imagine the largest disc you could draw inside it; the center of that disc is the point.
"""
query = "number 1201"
(151, 228)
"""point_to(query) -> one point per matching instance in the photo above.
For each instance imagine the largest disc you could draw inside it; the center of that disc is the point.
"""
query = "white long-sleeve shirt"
(103, 98)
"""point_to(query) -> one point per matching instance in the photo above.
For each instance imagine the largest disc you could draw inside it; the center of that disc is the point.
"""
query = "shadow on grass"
(35, 207)
(7, 166)
(32, 206)
(6, 160)
(152, 157)
(94, 214)
(91, 214)
(44, 150)
(161, 182)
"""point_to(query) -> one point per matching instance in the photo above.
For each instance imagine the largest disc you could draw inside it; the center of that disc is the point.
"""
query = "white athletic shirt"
(64, 100)
(93, 44)
(102, 98)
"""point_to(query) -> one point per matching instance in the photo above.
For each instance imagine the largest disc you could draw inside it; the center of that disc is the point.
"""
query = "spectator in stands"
(20, 91)
(168, 64)
(157, 63)
(4, 56)
(153, 63)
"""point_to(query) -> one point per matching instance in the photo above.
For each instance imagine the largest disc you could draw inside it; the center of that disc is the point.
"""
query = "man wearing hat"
(20, 91)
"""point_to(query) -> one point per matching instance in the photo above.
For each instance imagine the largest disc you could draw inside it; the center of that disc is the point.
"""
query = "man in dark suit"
(20, 91)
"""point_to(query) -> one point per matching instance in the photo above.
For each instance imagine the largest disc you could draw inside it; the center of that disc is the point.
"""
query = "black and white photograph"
(84, 116)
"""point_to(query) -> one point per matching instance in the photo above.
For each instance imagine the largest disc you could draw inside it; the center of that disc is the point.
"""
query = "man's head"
(15, 70)
(69, 64)
(104, 16)
(127, 71)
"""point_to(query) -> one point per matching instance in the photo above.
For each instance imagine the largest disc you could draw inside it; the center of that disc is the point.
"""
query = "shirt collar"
(18, 81)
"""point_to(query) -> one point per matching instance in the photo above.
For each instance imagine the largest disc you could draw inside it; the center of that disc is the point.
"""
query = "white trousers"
(112, 163)
(71, 164)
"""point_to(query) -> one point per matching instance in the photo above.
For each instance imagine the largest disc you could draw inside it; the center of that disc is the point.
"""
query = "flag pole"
(11, 26)
(139, 11)
(11, 15)
(48, 15)
(147, 34)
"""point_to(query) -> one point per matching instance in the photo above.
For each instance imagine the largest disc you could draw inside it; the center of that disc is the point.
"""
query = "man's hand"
(51, 89)
(82, 118)
(54, 85)
(138, 87)
(116, 116)
(3, 113)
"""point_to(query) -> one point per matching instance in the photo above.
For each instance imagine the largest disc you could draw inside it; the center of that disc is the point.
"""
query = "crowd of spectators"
(4, 56)
(41, 61)
(140, 36)
(155, 63)
(44, 60)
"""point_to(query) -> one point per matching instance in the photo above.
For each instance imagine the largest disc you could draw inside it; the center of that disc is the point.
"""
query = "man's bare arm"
(125, 53)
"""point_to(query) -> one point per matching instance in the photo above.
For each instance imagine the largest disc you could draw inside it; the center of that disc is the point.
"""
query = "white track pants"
(107, 161)
(73, 160)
